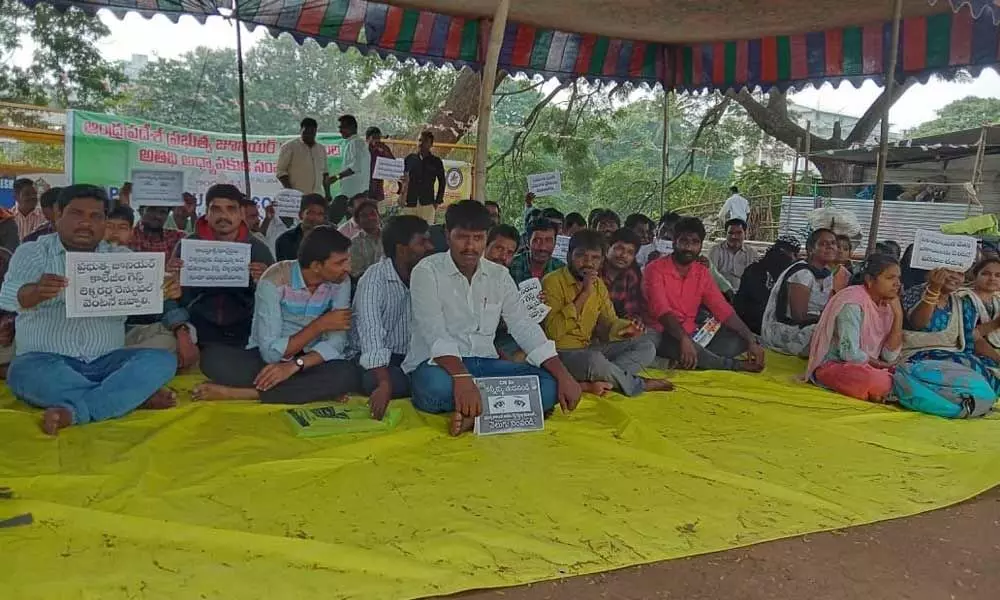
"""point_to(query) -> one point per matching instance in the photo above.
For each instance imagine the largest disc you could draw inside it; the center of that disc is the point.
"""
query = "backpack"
(943, 388)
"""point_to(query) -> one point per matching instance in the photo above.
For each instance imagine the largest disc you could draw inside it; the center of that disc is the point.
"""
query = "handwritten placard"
(545, 184)
(562, 247)
(215, 264)
(388, 169)
(287, 203)
(530, 291)
(510, 405)
(934, 250)
(114, 284)
(157, 188)
(661, 247)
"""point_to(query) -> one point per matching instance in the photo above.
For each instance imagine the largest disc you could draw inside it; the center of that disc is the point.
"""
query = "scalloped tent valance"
(696, 44)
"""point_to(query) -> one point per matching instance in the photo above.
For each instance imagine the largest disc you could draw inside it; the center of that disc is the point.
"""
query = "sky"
(160, 37)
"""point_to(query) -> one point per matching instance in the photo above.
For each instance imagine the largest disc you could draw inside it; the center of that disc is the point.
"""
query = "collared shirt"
(381, 325)
(421, 173)
(735, 207)
(666, 292)
(573, 329)
(520, 267)
(30, 222)
(732, 264)
(284, 306)
(43, 230)
(148, 241)
(350, 228)
(287, 245)
(453, 317)
(366, 250)
(625, 291)
(303, 164)
(171, 224)
(45, 327)
(358, 160)
(377, 190)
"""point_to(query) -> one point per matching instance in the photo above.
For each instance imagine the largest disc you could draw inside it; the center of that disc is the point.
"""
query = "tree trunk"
(457, 115)
(836, 171)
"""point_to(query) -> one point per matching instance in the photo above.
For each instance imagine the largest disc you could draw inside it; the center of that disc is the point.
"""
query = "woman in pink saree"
(860, 334)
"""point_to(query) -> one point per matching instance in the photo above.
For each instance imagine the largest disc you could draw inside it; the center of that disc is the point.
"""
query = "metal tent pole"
(665, 155)
(242, 98)
(883, 143)
(486, 97)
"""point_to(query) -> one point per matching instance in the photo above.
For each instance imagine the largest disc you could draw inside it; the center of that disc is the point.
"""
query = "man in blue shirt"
(77, 369)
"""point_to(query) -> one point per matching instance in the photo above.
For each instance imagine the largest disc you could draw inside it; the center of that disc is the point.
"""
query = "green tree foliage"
(968, 113)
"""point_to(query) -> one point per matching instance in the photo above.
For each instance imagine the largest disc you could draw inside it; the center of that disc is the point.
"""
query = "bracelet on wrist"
(462, 376)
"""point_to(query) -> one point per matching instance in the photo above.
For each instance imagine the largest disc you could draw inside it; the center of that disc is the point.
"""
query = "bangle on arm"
(462, 376)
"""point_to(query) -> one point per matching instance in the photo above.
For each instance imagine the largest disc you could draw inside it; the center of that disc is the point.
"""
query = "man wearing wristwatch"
(302, 315)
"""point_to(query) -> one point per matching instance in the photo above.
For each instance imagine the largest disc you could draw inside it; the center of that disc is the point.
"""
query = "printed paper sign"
(215, 264)
(114, 284)
(703, 337)
(510, 405)
(530, 291)
(388, 169)
(287, 203)
(933, 250)
(545, 184)
(562, 247)
(157, 188)
(335, 419)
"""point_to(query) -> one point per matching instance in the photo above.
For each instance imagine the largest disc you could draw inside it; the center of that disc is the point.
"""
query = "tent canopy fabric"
(687, 45)
(933, 148)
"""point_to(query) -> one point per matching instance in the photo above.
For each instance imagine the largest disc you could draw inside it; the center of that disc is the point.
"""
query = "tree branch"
(866, 124)
(711, 118)
(529, 123)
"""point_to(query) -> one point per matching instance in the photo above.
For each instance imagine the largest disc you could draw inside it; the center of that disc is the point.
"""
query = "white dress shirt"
(453, 317)
(358, 159)
(735, 207)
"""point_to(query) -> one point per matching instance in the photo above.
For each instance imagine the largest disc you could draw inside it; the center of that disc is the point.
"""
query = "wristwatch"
(301, 364)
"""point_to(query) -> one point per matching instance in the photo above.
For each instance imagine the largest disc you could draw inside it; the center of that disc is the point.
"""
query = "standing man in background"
(421, 170)
(182, 217)
(27, 214)
(356, 177)
(735, 207)
(376, 149)
(302, 161)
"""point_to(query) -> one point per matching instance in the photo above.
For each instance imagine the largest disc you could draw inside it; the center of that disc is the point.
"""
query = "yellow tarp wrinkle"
(219, 500)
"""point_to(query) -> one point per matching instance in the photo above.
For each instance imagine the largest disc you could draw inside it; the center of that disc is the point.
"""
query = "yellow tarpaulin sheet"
(221, 501)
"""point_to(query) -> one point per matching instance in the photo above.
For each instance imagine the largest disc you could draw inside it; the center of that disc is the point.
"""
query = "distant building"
(135, 66)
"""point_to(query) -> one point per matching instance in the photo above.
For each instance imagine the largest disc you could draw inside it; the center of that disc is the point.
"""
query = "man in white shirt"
(302, 161)
(356, 177)
(735, 207)
(458, 298)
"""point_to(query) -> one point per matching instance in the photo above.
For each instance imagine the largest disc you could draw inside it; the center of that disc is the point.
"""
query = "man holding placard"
(219, 308)
(77, 369)
(312, 214)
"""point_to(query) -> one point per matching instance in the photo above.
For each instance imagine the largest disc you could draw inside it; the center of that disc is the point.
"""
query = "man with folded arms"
(458, 298)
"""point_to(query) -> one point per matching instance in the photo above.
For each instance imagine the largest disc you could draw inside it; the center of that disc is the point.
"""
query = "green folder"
(333, 419)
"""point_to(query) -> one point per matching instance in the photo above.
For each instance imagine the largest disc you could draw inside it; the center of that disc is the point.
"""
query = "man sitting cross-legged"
(458, 298)
(582, 311)
(77, 369)
(382, 321)
(301, 318)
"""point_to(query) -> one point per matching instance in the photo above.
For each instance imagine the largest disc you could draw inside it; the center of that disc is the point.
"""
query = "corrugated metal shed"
(899, 222)
(954, 171)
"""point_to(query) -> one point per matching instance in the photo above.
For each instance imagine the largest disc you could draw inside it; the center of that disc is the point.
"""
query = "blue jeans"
(107, 387)
(432, 386)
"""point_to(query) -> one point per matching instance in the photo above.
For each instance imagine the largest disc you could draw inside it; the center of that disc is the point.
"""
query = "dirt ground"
(949, 554)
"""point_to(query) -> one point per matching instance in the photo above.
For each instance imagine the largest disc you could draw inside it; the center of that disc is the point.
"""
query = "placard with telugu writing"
(934, 250)
(215, 264)
(510, 405)
(545, 184)
(562, 247)
(287, 203)
(114, 284)
(388, 169)
(157, 188)
(530, 291)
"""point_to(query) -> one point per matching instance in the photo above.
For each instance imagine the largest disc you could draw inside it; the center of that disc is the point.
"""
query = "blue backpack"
(943, 388)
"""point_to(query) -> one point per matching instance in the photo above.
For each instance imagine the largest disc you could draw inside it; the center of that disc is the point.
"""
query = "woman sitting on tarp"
(859, 335)
(758, 280)
(800, 294)
(941, 324)
(985, 296)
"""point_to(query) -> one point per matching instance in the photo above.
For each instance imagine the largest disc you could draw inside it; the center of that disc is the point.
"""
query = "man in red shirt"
(675, 287)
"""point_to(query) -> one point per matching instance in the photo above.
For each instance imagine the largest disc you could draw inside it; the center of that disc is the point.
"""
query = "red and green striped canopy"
(938, 43)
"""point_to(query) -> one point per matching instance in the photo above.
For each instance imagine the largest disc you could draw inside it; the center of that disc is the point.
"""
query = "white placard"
(510, 405)
(157, 188)
(934, 250)
(664, 247)
(215, 264)
(545, 184)
(388, 169)
(562, 247)
(287, 203)
(530, 291)
(114, 284)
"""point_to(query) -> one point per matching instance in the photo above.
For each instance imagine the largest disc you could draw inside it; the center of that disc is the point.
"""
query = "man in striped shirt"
(382, 311)
(78, 369)
(27, 214)
(301, 319)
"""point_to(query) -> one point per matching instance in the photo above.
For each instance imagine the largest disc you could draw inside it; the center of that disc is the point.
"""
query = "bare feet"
(598, 388)
(161, 399)
(460, 424)
(214, 391)
(657, 385)
(56, 418)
